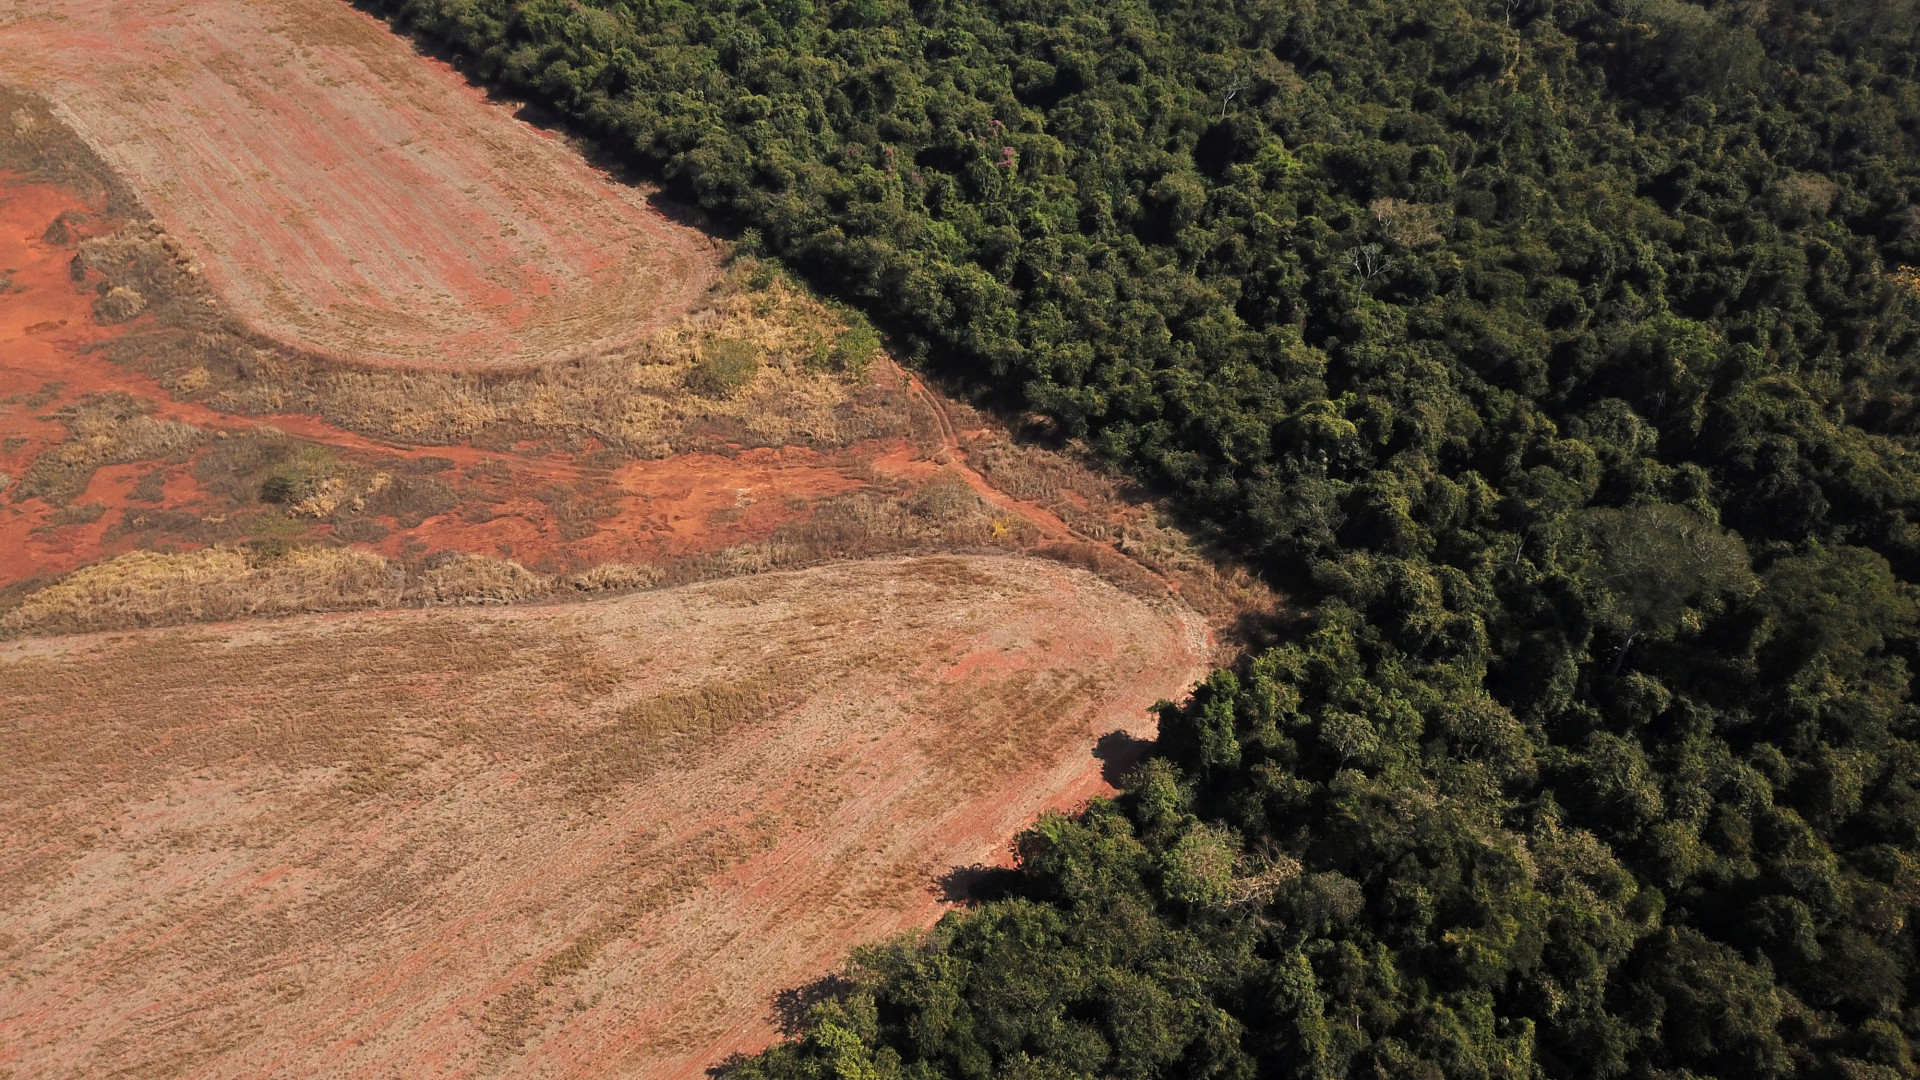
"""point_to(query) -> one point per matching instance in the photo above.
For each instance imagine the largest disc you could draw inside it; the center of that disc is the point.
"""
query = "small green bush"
(725, 367)
(853, 353)
(820, 358)
(299, 476)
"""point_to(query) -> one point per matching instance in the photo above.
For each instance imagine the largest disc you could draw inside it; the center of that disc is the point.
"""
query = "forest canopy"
(1562, 353)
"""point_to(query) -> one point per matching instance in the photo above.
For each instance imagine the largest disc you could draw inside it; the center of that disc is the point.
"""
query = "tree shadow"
(792, 1006)
(1118, 752)
(624, 168)
(977, 884)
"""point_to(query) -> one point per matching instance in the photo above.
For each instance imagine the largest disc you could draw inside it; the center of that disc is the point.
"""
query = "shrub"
(855, 349)
(725, 367)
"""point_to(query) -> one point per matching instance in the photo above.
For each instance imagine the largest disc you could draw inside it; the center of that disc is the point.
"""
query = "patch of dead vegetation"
(103, 429)
(37, 143)
(476, 579)
(148, 588)
(145, 588)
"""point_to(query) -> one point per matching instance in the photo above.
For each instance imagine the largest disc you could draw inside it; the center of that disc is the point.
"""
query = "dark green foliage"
(1556, 343)
(854, 351)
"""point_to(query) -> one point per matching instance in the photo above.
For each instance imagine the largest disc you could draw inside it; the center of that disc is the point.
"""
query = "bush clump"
(725, 367)
(855, 349)
(300, 477)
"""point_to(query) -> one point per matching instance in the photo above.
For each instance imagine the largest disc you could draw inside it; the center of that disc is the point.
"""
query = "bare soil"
(578, 840)
(347, 196)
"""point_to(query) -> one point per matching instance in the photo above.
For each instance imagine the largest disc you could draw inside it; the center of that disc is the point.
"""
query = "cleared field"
(343, 194)
(579, 840)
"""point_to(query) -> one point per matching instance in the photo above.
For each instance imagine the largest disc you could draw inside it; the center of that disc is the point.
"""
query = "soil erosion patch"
(569, 840)
(346, 195)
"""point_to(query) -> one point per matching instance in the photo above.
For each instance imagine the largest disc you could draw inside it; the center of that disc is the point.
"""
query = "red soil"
(650, 511)
(511, 504)
(348, 196)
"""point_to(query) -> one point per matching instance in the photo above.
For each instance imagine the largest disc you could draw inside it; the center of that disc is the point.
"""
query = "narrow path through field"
(1050, 527)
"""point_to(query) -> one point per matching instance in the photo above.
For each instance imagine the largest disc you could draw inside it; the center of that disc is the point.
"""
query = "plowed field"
(347, 196)
(576, 840)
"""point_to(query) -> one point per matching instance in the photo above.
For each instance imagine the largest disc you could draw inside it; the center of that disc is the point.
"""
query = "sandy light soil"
(347, 196)
(580, 840)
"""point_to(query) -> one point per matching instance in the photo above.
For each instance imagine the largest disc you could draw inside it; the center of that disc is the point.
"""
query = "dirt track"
(347, 196)
(584, 840)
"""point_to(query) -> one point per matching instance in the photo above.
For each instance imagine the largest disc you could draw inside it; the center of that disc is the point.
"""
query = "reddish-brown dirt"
(572, 840)
(548, 509)
(646, 511)
(347, 196)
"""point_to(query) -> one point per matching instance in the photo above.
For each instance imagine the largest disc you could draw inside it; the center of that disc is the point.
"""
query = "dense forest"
(1561, 355)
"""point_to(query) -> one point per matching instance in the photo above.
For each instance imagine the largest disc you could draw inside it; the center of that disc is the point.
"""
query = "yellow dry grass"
(478, 579)
(104, 429)
(642, 400)
(144, 588)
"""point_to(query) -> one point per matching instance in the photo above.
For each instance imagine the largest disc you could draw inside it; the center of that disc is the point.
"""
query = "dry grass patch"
(36, 143)
(144, 588)
(611, 577)
(104, 429)
(477, 579)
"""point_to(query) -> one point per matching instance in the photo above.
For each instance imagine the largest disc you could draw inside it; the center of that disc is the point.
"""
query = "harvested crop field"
(581, 840)
(347, 196)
